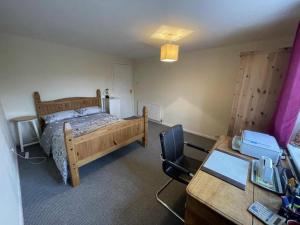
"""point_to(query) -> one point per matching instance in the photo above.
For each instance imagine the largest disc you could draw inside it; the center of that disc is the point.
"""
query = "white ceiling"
(124, 27)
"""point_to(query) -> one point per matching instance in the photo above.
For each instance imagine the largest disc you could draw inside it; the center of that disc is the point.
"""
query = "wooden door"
(123, 88)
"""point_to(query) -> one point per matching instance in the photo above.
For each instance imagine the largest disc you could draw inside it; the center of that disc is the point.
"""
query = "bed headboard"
(64, 104)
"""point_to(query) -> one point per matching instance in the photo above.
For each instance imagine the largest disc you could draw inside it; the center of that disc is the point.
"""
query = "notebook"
(228, 167)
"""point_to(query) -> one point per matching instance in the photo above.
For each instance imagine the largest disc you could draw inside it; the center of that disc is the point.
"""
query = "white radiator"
(154, 110)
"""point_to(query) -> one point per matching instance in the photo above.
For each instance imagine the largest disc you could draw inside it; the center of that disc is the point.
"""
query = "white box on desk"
(257, 144)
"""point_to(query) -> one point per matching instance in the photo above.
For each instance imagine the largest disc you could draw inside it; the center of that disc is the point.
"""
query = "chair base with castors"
(174, 163)
(163, 203)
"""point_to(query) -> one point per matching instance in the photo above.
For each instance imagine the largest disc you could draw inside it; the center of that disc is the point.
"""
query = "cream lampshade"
(169, 53)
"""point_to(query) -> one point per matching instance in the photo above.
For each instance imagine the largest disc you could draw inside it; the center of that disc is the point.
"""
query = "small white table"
(19, 122)
(113, 104)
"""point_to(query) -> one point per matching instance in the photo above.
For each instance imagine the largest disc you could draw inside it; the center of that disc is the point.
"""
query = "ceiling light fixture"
(169, 53)
(169, 33)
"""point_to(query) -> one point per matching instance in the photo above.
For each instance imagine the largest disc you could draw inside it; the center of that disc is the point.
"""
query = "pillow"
(89, 110)
(50, 118)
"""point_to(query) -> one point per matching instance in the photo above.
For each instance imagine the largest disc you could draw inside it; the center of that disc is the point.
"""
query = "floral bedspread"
(52, 139)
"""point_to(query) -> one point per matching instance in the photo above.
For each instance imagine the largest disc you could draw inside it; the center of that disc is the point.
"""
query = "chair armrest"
(196, 147)
(180, 168)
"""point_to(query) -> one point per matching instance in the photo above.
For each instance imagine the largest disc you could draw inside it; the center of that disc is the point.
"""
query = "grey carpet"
(118, 189)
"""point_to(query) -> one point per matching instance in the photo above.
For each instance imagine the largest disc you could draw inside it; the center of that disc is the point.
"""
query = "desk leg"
(197, 213)
(19, 126)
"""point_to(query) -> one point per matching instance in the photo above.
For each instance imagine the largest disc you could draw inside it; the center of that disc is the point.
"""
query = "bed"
(84, 139)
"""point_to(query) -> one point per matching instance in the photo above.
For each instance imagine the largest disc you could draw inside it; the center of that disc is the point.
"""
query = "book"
(228, 167)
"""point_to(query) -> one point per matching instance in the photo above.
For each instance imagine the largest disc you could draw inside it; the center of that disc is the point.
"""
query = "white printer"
(257, 144)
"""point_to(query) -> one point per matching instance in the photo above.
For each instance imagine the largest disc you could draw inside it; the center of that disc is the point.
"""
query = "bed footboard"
(89, 147)
(71, 153)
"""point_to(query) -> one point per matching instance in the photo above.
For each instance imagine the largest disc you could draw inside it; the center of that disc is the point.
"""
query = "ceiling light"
(169, 53)
(168, 33)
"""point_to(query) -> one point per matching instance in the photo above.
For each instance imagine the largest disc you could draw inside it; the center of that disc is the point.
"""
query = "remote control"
(265, 214)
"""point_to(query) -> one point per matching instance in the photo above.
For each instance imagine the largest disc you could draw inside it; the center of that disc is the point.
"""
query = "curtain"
(289, 101)
(257, 90)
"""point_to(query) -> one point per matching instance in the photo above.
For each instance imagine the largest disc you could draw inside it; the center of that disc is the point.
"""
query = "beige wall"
(196, 91)
(56, 71)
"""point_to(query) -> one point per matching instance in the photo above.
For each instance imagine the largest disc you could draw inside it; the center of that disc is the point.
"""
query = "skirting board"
(189, 131)
(21, 217)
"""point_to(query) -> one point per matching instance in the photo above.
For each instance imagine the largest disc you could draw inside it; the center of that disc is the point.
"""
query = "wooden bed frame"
(89, 147)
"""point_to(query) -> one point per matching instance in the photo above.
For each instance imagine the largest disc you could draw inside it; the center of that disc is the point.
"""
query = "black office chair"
(174, 163)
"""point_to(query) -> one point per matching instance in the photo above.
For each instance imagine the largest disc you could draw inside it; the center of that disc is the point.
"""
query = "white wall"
(56, 71)
(11, 212)
(196, 91)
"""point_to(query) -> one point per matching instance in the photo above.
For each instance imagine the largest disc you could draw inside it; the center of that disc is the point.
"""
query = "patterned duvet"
(53, 136)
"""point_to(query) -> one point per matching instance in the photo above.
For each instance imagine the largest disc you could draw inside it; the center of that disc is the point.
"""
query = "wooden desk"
(213, 201)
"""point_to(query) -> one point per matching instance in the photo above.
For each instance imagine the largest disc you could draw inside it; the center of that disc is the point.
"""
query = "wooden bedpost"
(37, 101)
(145, 115)
(37, 97)
(72, 157)
(98, 92)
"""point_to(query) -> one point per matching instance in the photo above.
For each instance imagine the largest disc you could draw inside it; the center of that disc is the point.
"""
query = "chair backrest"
(172, 143)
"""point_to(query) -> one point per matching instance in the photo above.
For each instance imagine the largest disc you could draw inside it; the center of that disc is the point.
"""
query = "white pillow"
(89, 110)
(50, 118)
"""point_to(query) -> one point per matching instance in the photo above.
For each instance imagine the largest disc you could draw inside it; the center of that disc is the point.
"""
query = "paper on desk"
(227, 167)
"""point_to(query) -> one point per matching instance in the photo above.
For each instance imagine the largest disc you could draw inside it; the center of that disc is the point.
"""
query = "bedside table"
(19, 122)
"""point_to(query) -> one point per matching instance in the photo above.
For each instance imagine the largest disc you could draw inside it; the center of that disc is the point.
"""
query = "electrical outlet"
(26, 155)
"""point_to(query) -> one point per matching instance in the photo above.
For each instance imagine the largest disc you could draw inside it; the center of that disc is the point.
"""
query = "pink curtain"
(289, 100)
